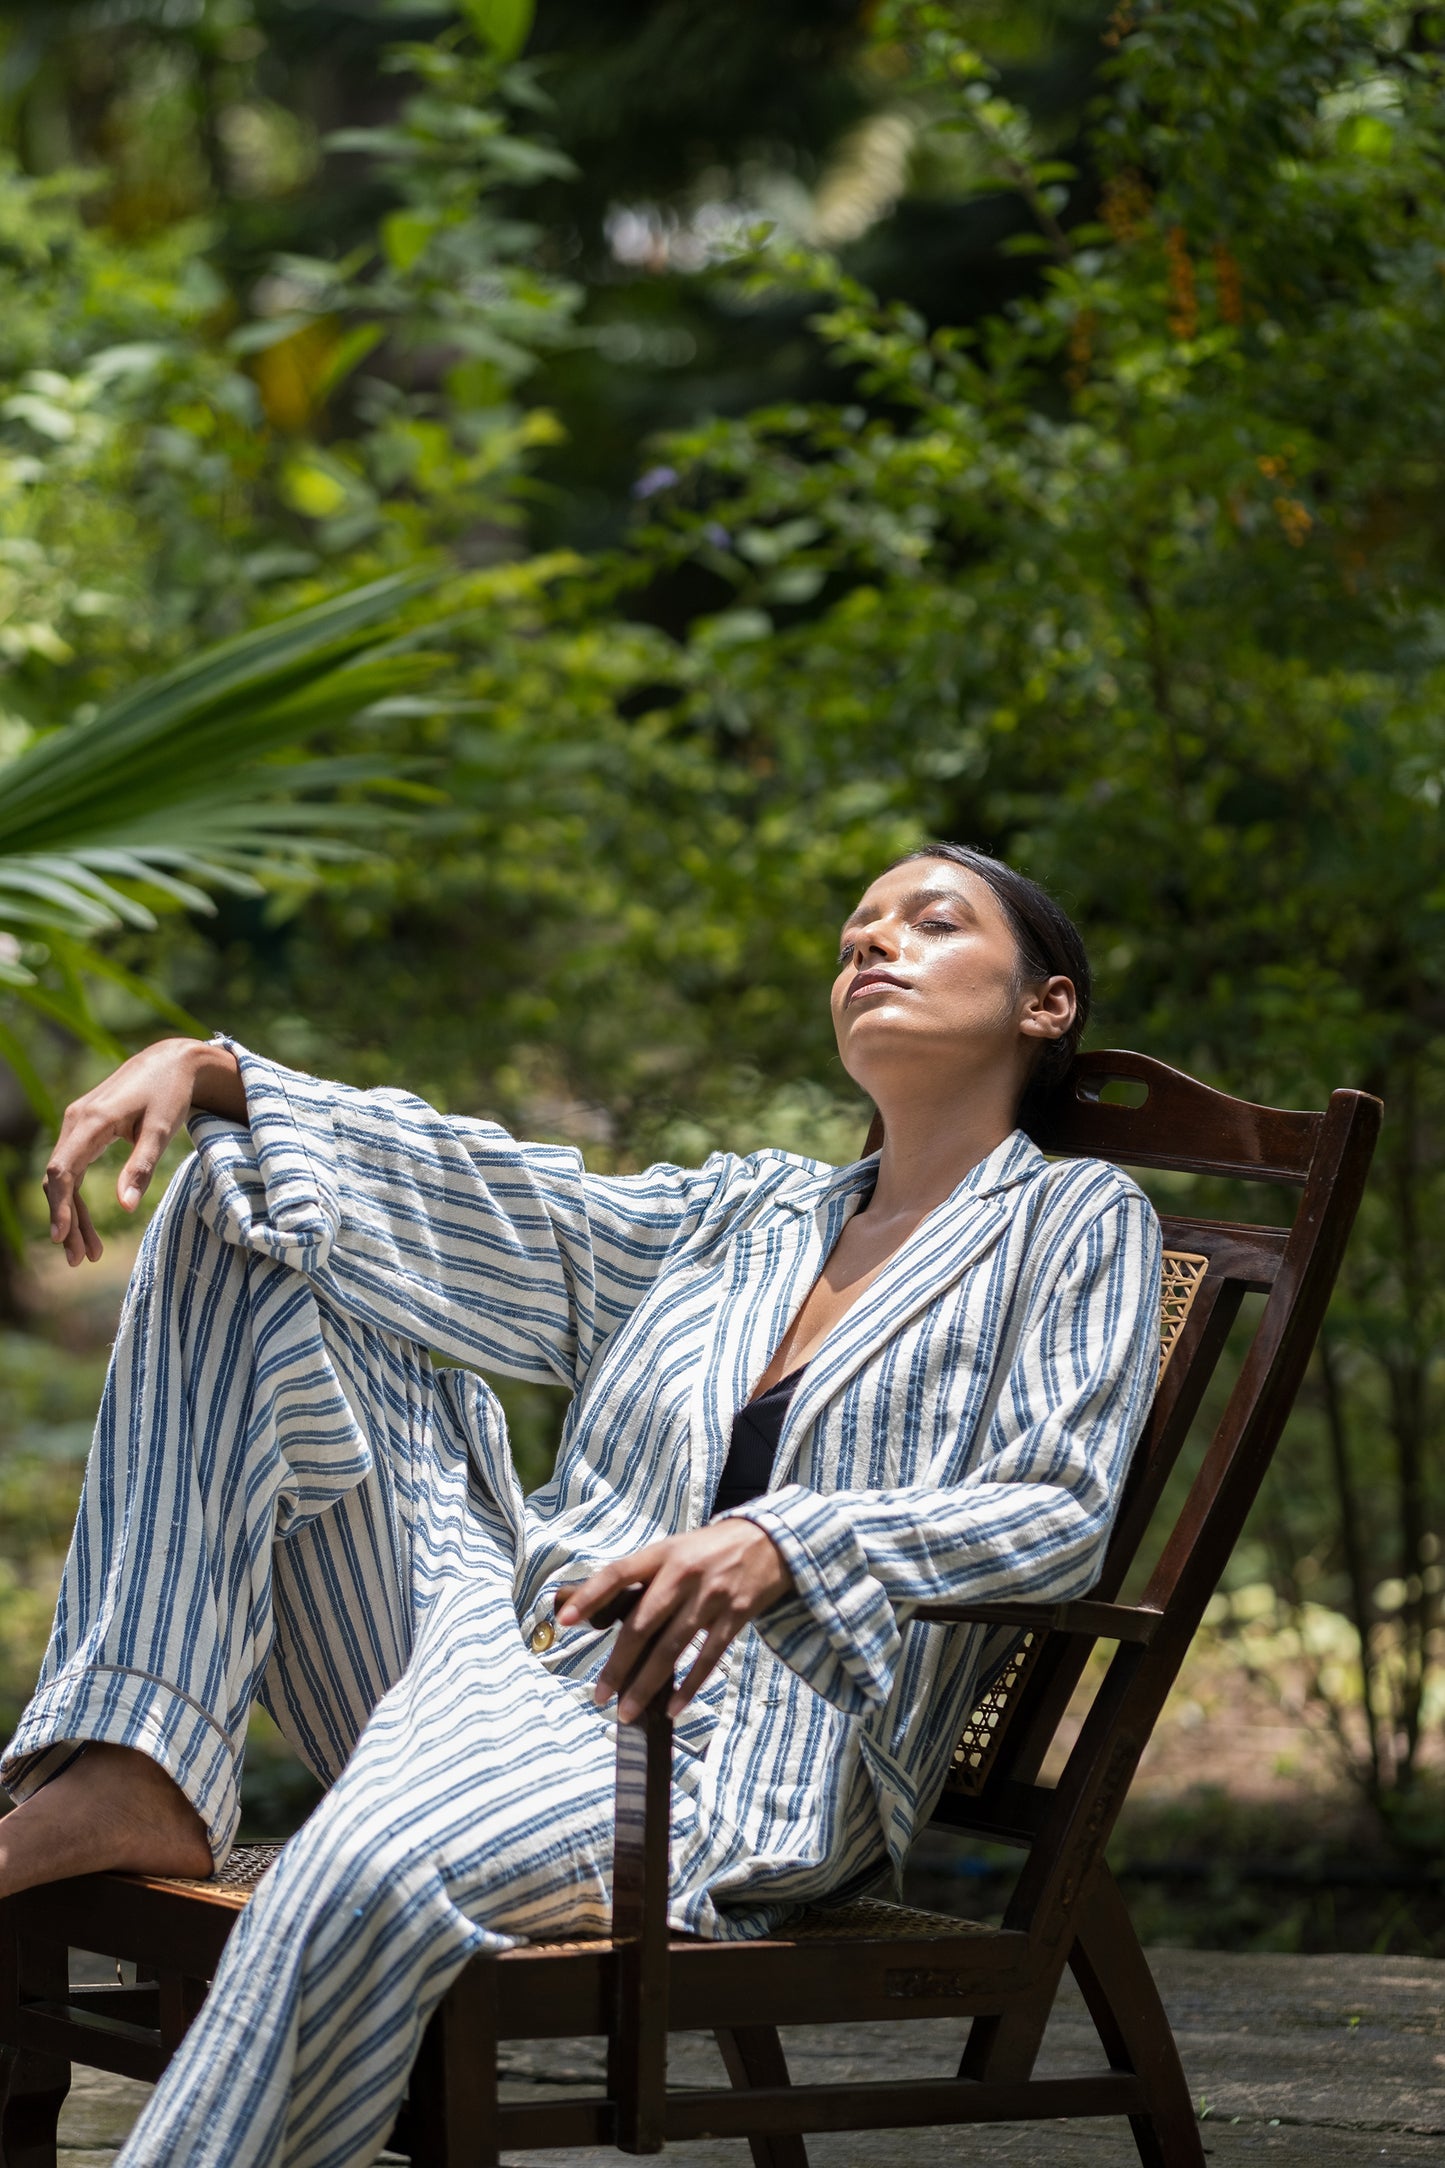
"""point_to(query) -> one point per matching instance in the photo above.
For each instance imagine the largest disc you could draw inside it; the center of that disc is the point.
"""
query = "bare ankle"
(110, 1809)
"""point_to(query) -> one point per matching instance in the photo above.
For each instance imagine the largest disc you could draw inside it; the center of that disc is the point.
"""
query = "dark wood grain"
(637, 2050)
(34, 2079)
(1100, 1621)
(753, 2058)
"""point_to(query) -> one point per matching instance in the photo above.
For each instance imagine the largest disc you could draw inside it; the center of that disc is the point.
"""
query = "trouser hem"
(109, 1704)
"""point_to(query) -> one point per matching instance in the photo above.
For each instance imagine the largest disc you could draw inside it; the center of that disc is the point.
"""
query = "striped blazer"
(963, 1433)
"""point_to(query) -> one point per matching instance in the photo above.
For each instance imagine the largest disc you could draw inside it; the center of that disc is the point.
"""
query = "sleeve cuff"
(272, 1186)
(837, 1629)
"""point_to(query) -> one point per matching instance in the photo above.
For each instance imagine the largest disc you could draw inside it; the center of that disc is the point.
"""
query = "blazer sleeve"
(1031, 1515)
(448, 1231)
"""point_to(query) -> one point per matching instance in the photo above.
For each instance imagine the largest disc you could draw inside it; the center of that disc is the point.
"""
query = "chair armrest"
(637, 2043)
(1100, 1621)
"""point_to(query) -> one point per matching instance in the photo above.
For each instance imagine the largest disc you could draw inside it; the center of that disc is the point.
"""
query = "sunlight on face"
(929, 970)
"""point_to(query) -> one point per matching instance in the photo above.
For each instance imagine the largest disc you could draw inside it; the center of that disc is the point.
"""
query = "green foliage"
(47, 1407)
(166, 472)
(167, 793)
(1108, 536)
(1139, 584)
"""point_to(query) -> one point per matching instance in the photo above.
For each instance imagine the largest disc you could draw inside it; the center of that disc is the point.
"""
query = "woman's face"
(929, 972)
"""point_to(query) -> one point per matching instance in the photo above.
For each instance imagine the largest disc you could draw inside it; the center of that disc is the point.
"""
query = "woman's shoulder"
(1087, 1188)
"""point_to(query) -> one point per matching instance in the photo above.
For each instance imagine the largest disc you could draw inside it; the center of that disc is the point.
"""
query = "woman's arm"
(144, 1103)
(449, 1231)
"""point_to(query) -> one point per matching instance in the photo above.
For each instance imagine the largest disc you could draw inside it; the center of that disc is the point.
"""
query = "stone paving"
(1297, 2062)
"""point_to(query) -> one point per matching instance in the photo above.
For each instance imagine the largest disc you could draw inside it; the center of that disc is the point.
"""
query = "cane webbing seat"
(858, 1919)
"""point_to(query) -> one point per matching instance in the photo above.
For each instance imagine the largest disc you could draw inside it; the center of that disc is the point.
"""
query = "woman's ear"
(1050, 1010)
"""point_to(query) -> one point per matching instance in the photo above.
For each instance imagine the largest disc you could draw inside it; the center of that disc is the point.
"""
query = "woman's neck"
(929, 1148)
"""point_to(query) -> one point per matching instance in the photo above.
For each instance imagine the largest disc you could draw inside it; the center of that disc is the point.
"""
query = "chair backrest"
(1175, 1123)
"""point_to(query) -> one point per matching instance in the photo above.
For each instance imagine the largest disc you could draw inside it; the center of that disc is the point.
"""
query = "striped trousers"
(281, 1503)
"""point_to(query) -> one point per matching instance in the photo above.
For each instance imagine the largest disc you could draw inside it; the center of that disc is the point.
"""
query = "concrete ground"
(1297, 2062)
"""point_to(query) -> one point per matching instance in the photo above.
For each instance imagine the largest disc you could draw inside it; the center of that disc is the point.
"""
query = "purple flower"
(656, 478)
(717, 535)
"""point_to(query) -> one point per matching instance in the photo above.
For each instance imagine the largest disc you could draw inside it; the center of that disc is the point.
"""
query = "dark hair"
(1048, 944)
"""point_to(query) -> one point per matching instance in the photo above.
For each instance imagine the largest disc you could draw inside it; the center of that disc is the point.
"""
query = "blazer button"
(544, 1633)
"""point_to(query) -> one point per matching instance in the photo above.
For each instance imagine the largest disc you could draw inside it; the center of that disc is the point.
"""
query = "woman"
(806, 1399)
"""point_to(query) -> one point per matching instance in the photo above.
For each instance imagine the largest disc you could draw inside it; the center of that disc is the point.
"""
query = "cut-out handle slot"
(1114, 1091)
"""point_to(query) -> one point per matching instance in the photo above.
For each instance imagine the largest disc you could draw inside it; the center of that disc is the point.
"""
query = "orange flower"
(1228, 285)
(1183, 291)
(1081, 349)
(1294, 519)
(1125, 208)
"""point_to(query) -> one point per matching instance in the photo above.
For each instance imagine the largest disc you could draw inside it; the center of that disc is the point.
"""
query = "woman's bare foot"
(111, 1808)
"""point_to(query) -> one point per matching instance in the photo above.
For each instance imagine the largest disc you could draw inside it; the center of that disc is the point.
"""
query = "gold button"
(544, 1633)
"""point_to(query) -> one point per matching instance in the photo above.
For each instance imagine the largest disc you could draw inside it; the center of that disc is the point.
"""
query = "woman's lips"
(868, 982)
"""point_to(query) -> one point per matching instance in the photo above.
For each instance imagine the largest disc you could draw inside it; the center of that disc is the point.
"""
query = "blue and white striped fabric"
(291, 1497)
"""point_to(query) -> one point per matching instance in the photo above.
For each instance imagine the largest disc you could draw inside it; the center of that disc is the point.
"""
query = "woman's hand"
(144, 1103)
(712, 1580)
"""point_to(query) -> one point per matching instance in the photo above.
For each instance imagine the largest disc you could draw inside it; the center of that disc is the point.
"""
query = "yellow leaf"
(311, 489)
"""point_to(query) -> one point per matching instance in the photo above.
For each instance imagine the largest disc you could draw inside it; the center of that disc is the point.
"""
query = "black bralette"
(754, 1444)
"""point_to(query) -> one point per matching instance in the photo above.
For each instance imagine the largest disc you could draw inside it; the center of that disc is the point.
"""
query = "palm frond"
(172, 791)
(273, 685)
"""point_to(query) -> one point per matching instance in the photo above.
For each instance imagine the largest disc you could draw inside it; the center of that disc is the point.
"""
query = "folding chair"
(865, 1960)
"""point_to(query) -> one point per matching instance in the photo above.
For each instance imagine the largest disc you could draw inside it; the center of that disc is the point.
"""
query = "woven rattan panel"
(1183, 1278)
(869, 1919)
(236, 1880)
(979, 1741)
(980, 1735)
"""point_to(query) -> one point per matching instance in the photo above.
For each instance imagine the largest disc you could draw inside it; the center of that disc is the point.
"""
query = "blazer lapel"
(767, 1275)
(952, 1238)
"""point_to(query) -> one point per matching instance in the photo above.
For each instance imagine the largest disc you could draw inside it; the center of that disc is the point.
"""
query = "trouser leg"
(477, 1807)
(237, 1411)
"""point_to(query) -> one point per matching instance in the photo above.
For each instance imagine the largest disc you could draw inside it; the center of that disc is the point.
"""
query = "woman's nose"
(878, 938)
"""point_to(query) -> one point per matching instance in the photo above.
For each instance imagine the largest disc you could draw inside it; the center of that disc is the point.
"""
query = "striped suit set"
(301, 1491)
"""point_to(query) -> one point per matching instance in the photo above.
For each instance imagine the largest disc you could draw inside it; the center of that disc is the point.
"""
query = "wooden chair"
(864, 1960)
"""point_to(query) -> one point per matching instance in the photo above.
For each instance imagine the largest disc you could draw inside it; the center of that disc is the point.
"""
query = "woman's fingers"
(59, 1191)
(68, 1163)
(659, 1667)
(710, 1581)
(708, 1657)
(582, 1602)
(90, 1242)
(144, 1102)
(664, 1615)
(83, 1137)
(155, 1132)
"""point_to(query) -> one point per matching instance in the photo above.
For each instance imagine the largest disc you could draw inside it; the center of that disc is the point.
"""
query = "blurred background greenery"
(763, 436)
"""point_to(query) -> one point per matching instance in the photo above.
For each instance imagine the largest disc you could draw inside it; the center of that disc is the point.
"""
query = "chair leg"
(180, 2005)
(1002, 2049)
(32, 2087)
(451, 2118)
(754, 2056)
(1131, 2021)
